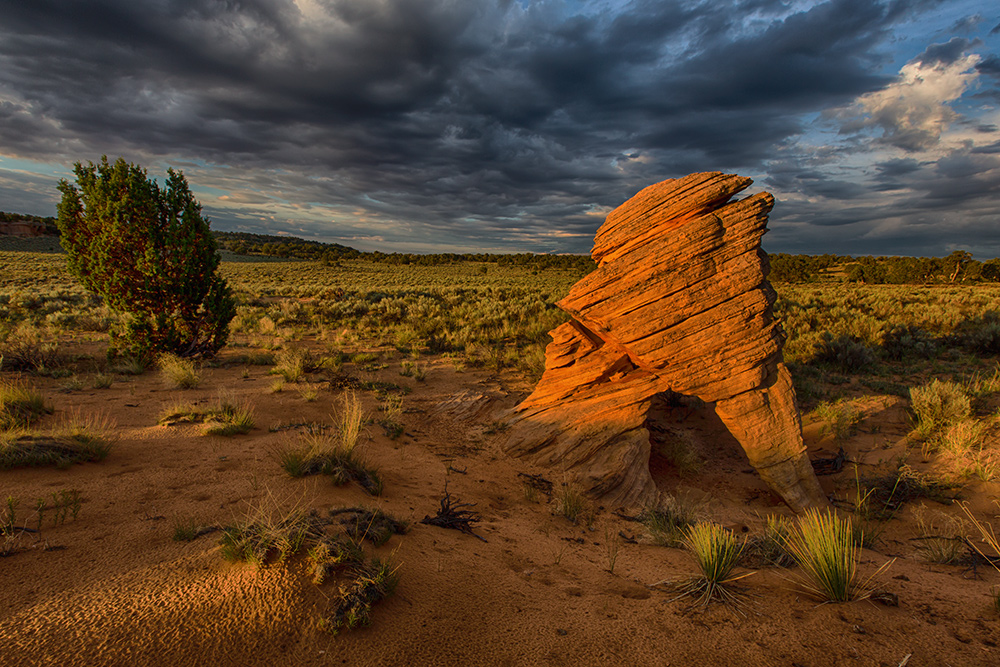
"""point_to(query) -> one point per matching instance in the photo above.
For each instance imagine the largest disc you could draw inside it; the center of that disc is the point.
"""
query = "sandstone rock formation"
(679, 303)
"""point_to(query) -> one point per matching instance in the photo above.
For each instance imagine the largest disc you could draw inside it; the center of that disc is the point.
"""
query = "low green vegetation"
(227, 417)
(76, 441)
(178, 371)
(717, 553)
(20, 406)
(271, 537)
(825, 547)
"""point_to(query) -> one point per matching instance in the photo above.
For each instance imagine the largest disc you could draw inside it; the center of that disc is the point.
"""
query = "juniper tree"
(148, 251)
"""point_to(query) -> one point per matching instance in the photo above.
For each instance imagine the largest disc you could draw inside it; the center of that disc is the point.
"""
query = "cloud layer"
(504, 125)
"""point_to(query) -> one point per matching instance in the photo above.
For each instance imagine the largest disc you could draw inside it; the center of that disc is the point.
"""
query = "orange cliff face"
(679, 303)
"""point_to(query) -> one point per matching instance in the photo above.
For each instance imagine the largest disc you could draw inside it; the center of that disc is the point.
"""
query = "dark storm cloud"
(990, 66)
(946, 53)
(461, 122)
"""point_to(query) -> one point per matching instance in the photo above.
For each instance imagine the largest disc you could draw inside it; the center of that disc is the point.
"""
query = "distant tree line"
(958, 267)
(330, 253)
(51, 229)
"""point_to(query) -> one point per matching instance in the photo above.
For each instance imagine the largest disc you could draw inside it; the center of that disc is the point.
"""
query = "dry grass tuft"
(178, 371)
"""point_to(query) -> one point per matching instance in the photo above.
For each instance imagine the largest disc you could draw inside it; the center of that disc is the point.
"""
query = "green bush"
(938, 404)
(149, 253)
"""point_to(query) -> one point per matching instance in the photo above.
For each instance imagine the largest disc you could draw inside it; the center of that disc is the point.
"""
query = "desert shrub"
(149, 253)
(717, 553)
(981, 335)
(374, 580)
(178, 371)
(668, 522)
(824, 547)
(269, 536)
(881, 496)
(840, 418)
(845, 353)
(20, 406)
(905, 341)
(937, 404)
(24, 349)
(74, 442)
(373, 525)
(321, 454)
(227, 417)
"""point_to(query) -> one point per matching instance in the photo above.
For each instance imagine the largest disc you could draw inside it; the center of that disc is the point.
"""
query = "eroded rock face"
(679, 302)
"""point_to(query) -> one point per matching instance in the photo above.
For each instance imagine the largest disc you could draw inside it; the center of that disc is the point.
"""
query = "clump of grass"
(178, 371)
(20, 406)
(840, 418)
(571, 504)
(227, 417)
(258, 358)
(73, 383)
(103, 380)
(392, 413)
(717, 553)
(769, 547)
(989, 538)
(375, 580)
(270, 535)
(128, 366)
(825, 549)
(309, 394)
(76, 441)
(350, 421)
(940, 539)
(230, 417)
(373, 525)
(332, 554)
(938, 404)
(881, 496)
(321, 454)
(668, 522)
(292, 364)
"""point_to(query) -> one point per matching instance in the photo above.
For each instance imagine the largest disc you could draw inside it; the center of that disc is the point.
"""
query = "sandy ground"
(113, 588)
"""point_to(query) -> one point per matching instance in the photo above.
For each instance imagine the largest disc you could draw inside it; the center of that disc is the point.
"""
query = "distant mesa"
(679, 303)
(24, 228)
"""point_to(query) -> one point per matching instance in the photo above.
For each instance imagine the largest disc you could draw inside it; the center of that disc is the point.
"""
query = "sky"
(517, 125)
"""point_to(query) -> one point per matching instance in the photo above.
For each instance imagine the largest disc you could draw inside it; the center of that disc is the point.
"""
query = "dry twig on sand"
(453, 516)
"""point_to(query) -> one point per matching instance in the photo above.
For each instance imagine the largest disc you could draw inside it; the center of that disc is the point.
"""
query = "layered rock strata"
(679, 302)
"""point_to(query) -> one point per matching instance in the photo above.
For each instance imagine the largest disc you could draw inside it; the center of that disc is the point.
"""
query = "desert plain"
(119, 561)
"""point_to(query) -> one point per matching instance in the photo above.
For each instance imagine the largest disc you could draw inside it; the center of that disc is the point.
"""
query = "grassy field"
(844, 341)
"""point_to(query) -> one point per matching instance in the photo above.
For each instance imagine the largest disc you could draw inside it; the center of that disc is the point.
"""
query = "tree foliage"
(149, 253)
